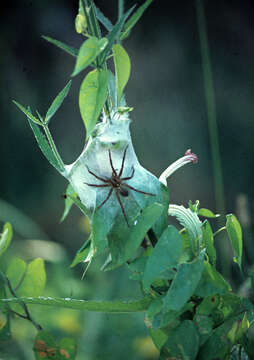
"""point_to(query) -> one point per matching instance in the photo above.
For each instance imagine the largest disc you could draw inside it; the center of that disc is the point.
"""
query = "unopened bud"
(80, 23)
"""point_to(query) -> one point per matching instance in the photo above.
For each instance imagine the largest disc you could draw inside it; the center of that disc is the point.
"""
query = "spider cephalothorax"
(117, 183)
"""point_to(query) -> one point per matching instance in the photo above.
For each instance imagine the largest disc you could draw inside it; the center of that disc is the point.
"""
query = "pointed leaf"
(122, 68)
(207, 213)
(82, 253)
(34, 280)
(134, 19)
(57, 102)
(114, 33)
(234, 231)
(212, 282)
(164, 256)
(93, 94)
(5, 238)
(44, 146)
(88, 52)
(137, 233)
(27, 113)
(209, 242)
(184, 284)
(70, 50)
(68, 201)
(102, 18)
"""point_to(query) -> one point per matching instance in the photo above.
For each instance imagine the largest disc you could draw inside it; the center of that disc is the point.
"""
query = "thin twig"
(25, 308)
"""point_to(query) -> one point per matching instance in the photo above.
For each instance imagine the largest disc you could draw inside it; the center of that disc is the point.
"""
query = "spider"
(116, 183)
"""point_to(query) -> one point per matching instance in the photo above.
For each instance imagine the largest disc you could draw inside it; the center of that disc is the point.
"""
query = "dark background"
(167, 93)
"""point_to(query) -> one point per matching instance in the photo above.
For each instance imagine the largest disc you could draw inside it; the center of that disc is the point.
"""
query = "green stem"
(99, 306)
(218, 231)
(213, 130)
(53, 146)
(211, 107)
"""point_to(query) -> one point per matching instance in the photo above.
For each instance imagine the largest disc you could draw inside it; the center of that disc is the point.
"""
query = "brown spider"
(116, 183)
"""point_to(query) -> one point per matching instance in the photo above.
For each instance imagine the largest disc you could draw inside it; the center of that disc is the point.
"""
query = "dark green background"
(166, 91)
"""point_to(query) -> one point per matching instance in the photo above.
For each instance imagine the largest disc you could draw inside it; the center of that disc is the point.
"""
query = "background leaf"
(34, 280)
(45, 346)
(92, 96)
(164, 255)
(122, 68)
(57, 102)
(67, 349)
(15, 271)
(234, 231)
(5, 238)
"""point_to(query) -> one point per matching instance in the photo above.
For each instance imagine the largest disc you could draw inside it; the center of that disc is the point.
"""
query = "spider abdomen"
(123, 192)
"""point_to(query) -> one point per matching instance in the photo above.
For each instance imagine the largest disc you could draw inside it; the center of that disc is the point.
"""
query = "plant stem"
(213, 129)
(220, 230)
(53, 146)
(99, 306)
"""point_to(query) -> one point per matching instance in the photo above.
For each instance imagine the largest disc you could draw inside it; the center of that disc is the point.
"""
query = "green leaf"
(159, 337)
(122, 68)
(99, 306)
(234, 231)
(70, 50)
(44, 146)
(207, 213)
(67, 349)
(134, 19)
(27, 113)
(182, 342)
(102, 18)
(209, 242)
(212, 282)
(164, 256)
(81, 206)
(93, 94)
(57, 102)
(5, 238)
(137, 233)
(15, 271)
(82, 253)
(184, 284)
(45, 346)
(34, 280)
(88, 52)
(114, 34)
(69, 193)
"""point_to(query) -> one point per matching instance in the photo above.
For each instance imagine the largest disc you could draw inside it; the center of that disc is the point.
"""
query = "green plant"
(191, 311)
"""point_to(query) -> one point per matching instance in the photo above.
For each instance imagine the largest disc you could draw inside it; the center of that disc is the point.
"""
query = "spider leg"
(123, 160)
(111, 163)
(108, 196)
(139, 191)
(98, 185)
(121, 204)
(97, 177)
(131, 176)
